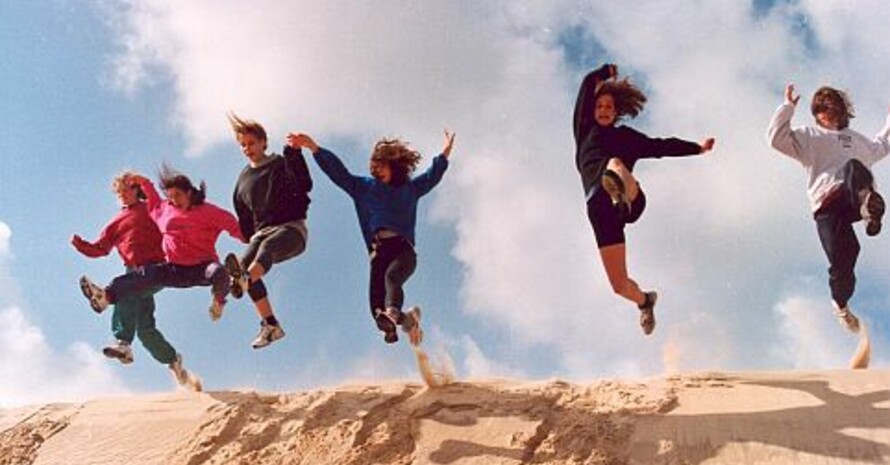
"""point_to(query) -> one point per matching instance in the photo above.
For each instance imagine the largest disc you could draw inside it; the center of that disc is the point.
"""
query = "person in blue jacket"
(386, 205)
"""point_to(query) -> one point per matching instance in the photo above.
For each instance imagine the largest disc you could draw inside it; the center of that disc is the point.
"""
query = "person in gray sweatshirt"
(841, 187)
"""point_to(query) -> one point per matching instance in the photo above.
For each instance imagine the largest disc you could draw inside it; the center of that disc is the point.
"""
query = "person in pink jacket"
(189, 227)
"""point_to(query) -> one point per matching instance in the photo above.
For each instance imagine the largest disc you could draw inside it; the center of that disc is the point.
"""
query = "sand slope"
(835, 417)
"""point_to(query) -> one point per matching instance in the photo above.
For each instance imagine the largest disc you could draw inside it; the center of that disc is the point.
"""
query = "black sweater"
(272, 194)
(595, 144)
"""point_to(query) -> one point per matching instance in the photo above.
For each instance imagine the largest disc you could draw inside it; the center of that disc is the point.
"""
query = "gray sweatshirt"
(823, 152)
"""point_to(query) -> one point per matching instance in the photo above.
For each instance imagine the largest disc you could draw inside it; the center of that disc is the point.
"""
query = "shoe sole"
(647, 316)
(874, 205)
(614, 186)
(389, 327)
(415, 332)
(110, 352)
(87, 291)
(233, 267)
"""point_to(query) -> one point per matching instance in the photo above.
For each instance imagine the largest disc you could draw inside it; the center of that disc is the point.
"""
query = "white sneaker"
(847, 318)
(120, 351)
(411, 325)
(267, 335)
(93, 293)
(216, 308)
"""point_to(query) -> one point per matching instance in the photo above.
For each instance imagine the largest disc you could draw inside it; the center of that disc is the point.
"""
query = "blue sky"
(508, 274)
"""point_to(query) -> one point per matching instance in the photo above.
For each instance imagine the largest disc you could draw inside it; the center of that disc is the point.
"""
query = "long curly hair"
(169, 178)
(835, 102)
(629, 99)
(400, 157)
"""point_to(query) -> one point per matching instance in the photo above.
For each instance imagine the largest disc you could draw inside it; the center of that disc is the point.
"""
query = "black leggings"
(392, 262)
(834, 222)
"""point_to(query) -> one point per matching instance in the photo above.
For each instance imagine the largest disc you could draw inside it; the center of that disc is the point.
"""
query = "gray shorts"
(275, 244)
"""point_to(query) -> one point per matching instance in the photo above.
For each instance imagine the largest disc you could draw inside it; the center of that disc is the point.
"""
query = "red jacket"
(134, 234)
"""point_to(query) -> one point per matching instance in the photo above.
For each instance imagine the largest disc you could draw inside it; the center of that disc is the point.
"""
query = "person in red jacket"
(138, 242)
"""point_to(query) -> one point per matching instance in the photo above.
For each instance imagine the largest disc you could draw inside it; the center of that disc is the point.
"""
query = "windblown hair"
(247, 126)
(629, 100)
(834, 102)
(122, 181)
(401, 159)
(169, 178)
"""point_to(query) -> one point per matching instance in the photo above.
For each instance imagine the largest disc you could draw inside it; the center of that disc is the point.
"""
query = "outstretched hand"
(707, 145)
(789, 95)
(449, 142)
(298, 140)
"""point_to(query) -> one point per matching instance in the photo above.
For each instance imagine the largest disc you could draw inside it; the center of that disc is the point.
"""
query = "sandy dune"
(833, 417)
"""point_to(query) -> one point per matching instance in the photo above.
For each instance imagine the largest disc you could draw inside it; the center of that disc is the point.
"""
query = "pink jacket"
(189, 236)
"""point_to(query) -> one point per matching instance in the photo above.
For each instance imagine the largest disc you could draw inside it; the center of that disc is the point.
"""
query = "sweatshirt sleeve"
(296, 163)
(586, 102)
(225, 221)
(782, 137)
(425, 182)
(103, 244)
(245, 218)
(333, 167)
(644, 146)
(879, 147)
(152, 199)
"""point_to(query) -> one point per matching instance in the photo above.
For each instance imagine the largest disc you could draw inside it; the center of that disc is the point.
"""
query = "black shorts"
(607, 221)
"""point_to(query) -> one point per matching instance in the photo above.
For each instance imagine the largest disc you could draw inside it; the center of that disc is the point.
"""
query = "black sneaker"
(239, 280)
(647, 313)
(873, 212)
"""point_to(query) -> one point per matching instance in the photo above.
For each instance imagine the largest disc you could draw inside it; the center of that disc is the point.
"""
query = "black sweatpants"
(834, 223)
(393, 261)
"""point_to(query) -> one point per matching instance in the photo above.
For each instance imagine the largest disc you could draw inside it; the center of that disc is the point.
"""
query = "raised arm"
(152, 198)
(425, 182)
(329, 163)
(880, 146)
(644, 146)
(779, 135)
(586, 102)
(297, 166)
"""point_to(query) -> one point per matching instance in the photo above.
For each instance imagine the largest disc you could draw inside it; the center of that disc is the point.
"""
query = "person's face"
(252, 147)
(381, 171)
(126, 193)
(178, 198)
(828, 119)
(604, 111)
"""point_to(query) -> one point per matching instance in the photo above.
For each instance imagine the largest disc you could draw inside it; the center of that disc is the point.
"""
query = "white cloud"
(725, 236)
(5, 236)
(815, 339)
(32, 372)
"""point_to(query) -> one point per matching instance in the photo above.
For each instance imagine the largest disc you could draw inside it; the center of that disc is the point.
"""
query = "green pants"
(135, 315)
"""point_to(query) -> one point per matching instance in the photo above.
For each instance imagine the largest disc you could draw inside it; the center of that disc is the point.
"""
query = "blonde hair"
(122, 181)
(247, 126)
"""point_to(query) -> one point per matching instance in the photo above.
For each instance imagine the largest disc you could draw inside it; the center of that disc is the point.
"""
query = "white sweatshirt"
(823, 152)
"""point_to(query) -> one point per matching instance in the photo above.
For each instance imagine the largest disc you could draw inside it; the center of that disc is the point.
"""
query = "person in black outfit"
(605, 157)
(271, 201)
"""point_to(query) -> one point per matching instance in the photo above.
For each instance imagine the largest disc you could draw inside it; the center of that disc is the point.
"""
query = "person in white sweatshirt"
(841, 187)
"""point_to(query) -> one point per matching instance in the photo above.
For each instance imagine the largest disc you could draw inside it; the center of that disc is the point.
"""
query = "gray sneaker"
(411, 325)
(216, 308)
(93, 293)
(647, 313)
(267, 335)
(120, 351)
(847, 318)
